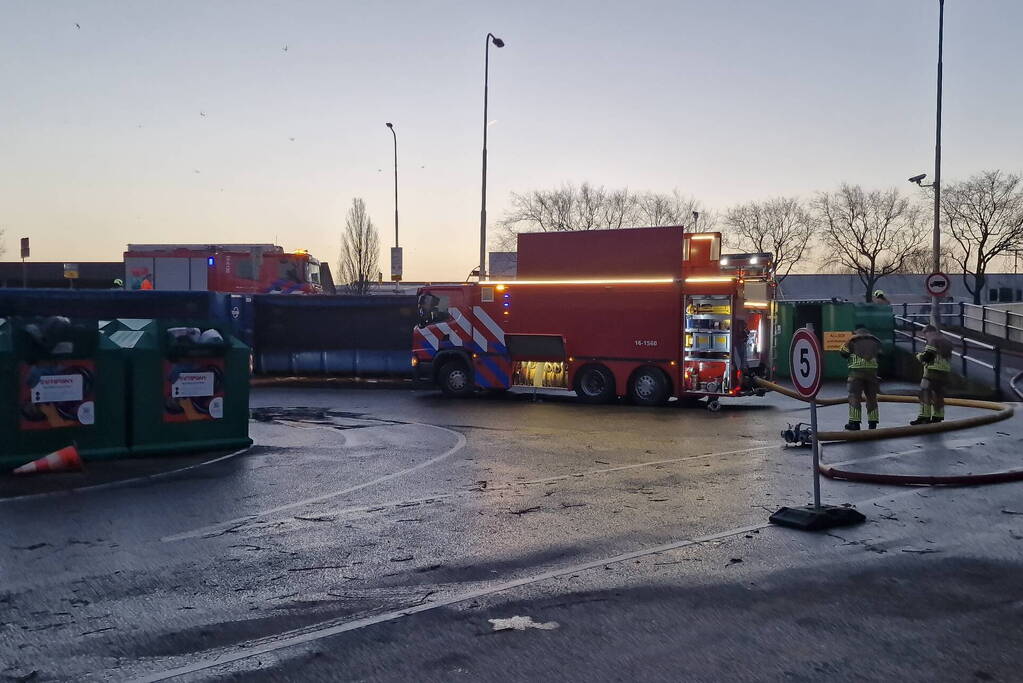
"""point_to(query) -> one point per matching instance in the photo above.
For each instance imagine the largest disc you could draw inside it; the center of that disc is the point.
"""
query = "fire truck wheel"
(595, 384)
(455, 380)
(649, 387)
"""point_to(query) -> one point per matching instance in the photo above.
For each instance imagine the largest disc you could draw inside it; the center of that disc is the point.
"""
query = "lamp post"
(491, 38)
(936, 237)
(936, 185)
(396, 252)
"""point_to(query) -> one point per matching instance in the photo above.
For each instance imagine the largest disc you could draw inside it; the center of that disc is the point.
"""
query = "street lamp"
(396, 252)
(491, 38)
(936, 185)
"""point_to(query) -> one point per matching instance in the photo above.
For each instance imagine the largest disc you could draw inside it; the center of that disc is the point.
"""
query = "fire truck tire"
(455, 380)
(595, 384)
(649, 387)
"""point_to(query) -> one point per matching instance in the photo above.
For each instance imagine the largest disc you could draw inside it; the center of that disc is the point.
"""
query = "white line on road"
(244, 652)
(221, 526)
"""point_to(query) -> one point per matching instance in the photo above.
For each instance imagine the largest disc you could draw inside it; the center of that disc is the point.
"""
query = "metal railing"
(997, 322)
(907, 328)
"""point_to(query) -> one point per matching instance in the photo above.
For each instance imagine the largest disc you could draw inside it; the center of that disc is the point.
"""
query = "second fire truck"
(648, 314)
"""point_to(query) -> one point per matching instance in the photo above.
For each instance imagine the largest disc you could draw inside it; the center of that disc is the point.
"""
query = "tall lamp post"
(936, 185)
(396, 251)
(491, 38)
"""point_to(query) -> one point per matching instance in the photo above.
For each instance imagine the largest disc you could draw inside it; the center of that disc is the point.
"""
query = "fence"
(984, 355)
(1002, 322)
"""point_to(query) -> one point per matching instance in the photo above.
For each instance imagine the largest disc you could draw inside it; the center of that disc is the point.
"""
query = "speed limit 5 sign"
(805, 362)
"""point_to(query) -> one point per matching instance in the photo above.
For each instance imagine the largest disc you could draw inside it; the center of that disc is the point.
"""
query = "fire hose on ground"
(996, 413)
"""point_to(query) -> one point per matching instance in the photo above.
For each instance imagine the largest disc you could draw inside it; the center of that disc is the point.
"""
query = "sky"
(188, 121)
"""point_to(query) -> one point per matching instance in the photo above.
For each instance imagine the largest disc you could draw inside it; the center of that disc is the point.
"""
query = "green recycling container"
(834, 322)
(187, 395)
(61, 384)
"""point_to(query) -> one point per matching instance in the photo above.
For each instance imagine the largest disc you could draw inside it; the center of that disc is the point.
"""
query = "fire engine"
(234, 268)
(647, 313)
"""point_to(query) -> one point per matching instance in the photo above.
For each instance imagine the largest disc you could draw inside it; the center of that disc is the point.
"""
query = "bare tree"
(655, 208)
(360, 249)
(591, 207)
(984, 216)
(922, 261)
(872, 234)
(783, 227)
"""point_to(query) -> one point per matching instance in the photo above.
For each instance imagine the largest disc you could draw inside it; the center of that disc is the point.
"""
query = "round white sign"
(938, 284)
(805, 362)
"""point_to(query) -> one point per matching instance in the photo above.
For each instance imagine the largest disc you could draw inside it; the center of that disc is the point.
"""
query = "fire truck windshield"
(433, 309)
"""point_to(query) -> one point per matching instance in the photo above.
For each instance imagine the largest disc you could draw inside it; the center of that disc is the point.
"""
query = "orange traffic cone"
(66, 458)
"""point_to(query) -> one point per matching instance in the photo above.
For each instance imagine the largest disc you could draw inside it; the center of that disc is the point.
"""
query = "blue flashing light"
(506, 304)
(507, 296)
(211, 261)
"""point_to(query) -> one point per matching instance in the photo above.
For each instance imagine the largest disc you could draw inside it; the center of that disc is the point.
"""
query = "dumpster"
(61, 383)
(834, 322)
(188, 383)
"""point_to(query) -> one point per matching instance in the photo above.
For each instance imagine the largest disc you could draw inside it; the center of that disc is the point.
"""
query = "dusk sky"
(103, 140)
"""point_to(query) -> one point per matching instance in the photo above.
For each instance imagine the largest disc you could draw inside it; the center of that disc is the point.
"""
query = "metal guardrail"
(907, 328)
(997, 322)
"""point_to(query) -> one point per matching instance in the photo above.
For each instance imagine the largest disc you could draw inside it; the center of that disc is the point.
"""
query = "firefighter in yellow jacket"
(862, 351)
(936, 359)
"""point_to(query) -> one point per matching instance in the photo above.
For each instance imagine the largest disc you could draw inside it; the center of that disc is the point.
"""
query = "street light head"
(918, 179)
(497, 41)
(389, 124)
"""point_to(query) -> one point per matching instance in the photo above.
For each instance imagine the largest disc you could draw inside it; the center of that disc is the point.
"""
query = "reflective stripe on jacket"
(862, 351)
(932, 360)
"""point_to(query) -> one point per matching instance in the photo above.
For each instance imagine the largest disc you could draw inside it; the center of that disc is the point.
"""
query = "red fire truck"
(647, 313)
(234, 268)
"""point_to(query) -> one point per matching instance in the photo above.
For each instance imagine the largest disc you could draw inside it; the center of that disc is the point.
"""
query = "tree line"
(871, 233)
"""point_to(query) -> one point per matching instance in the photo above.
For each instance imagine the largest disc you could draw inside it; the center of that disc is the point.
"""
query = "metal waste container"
(61, 383)
(188, 384)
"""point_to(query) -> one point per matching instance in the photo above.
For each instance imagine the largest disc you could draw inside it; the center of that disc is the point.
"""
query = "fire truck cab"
(648, 314)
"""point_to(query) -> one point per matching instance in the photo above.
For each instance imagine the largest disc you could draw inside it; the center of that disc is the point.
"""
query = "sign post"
(396, 264)
(805, 363)
(71, 273)
(25, 252)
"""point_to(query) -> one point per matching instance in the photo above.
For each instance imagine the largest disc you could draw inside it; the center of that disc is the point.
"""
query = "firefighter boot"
(853, 426)
(925, 415)
(872, 419)
(872, 424)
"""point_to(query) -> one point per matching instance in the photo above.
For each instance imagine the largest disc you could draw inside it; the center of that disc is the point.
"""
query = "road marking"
(244, 652)
(124, 482)
(223, 526)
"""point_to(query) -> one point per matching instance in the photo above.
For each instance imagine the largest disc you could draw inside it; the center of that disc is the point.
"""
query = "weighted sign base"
(810, 518)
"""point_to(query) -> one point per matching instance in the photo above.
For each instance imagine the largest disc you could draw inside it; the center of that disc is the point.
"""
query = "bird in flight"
(203, 114)
(292, 139)
(285, 48)
(78, 26)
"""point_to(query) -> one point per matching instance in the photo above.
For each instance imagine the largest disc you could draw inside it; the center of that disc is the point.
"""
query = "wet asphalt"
(371, 535)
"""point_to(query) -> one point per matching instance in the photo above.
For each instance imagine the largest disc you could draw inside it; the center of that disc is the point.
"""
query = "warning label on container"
(833, 341)
(58, 389)
(56, 394)
(192, 384)
(193, 390)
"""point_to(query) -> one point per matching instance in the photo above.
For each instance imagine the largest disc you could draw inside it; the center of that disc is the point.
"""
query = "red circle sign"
(938, 284)
(805, 363)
